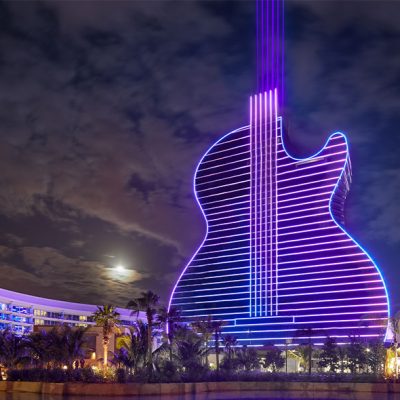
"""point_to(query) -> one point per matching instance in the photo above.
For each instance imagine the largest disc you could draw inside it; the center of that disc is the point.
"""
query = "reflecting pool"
(218, 396)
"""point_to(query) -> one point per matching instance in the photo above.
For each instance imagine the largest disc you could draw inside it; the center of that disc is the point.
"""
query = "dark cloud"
(107, 107)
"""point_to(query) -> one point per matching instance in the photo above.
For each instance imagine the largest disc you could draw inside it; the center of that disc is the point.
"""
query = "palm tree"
(217, 328)
(307, 351)
(74, 341)
(394, 326)
(147, 303)
(133, 347)
(12, 349)
(38, 347)
(204, 327)
(169, 321)
(108, 318)
(229, 342)
(190, 353)
(247, 357)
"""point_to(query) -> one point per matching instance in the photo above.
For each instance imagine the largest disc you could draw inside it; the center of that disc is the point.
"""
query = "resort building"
(21, 312)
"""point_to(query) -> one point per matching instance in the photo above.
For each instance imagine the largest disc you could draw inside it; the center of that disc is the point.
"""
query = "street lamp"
(288, 341)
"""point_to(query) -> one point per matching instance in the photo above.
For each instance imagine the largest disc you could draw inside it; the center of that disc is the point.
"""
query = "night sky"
(107, 106)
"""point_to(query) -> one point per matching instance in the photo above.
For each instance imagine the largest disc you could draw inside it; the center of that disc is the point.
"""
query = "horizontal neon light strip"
(247, 253)
(329, 285)
(328, 321)
(314, 244)
(230, 205)
(214, 181)
(297, 163)
(245, 128)
(334, 321)
(297, 318)
(343, 313)
(220, 186)
(335, 178)
(317, 251)
(309, 230)
(340, 233)
(307, 224)
(326, 272)
(365, 260)
(213, 151)
(297, 170)
(230, 236)
(212, 301)
(333, 291)
(303, 302)
(301, 160)
(229, 229)
(323, 258)
(281, 289)
(224, 157)
(223, 243)
(282, 283)
(282, 254)
(206, 208)
(217, 270)
(280, 295)
(213, 295)
(280, 228)
(214, 308)
(248, 188)
(302, 337)
(231, 216)
(312, 215)
(308, 175)
(244, 280)
(326, 206)
(306, 203)
(243, 160)
(223, 251)
(219, 288)
(291, 310)
(285, 187)
(242, 221)
(221, 193)
(333, 300)
(307, 196)
(232, 210)
(210, 283)
(220, 172)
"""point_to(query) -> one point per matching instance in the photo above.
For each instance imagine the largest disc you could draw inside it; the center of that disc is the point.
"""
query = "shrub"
(57, 375)
(121, 375)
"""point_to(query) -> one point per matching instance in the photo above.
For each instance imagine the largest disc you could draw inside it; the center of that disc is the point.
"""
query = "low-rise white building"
(21, 312)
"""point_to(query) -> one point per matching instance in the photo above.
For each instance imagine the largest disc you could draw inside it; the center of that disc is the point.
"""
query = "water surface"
(218, 396)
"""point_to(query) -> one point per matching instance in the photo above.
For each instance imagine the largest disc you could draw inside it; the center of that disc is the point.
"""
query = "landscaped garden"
(185, 353)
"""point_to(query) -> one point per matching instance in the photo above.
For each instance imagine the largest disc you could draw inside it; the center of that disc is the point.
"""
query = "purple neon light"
(266, 192)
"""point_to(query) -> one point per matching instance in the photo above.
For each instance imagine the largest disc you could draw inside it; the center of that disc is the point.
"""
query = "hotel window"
(40, 313)
(39, 321)
(82, 318)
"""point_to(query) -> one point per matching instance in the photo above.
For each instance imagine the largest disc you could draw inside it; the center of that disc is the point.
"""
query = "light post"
(288, 341)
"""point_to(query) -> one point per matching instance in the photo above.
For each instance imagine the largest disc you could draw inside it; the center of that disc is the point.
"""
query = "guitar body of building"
(277, 263)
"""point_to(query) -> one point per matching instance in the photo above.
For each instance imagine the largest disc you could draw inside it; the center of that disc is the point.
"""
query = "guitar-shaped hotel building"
(276, 261)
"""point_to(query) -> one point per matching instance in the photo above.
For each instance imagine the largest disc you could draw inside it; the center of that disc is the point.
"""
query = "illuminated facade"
(21, 312)
(276, 263)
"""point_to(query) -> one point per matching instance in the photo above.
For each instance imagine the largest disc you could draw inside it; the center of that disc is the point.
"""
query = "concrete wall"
(136, 389)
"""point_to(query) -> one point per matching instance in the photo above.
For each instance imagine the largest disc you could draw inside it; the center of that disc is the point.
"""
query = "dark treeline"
(184, 354)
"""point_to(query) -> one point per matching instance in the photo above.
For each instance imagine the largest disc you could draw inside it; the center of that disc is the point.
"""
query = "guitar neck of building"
(270, 46)
(265, 139)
